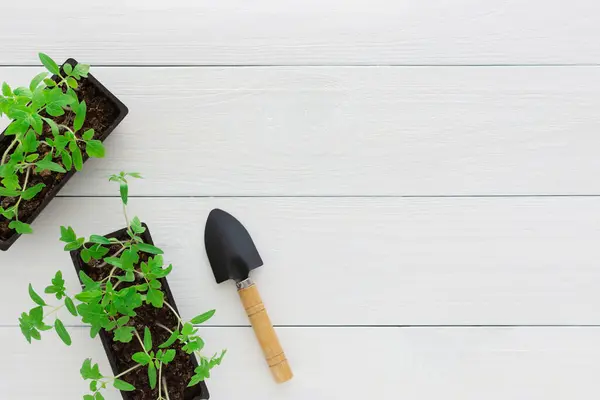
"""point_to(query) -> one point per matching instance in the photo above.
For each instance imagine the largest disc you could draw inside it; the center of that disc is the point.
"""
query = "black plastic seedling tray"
(5, 140)
(198, 392)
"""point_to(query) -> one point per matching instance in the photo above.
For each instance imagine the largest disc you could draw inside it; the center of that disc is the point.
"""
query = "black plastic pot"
(5, 140)
(198, 392)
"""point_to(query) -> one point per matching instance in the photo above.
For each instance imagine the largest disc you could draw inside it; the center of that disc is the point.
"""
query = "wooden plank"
(391, 363)
(330, 32)
(365, 261)
(350, 131)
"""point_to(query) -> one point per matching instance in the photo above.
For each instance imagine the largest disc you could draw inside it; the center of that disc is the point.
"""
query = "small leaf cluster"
(136, 272)
(33, 322)
(31, 151)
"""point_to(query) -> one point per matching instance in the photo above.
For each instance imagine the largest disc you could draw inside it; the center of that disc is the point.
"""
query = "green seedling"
(110, 304)
(40, 144)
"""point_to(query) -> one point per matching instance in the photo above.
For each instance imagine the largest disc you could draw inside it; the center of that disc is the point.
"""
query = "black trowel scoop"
(232, 255)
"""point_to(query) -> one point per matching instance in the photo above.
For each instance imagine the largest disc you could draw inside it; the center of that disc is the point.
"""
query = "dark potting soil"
(101, 112)
(178, 372)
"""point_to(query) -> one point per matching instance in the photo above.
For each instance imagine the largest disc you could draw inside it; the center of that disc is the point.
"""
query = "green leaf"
(54, 110)
(6, 90)
(68, 68)
(49, 82)
(77, 159)
(49, 64)
(88, 282)
(95, 148)
(70, 306)
(23, 92)
(30, 142)
(36, 123)
(122, 385)
(81, 70)
(124, 189)
(152, 375)
(72, 83)
(67, 234)
(97, 251)
(141, 358)
(202, 317)
(99, 239)
(114, 261)
(147, 339)
(5, 192)
(35, 82)
(155, 297)
(35, 297)
(88, 135)
(74, 245)
(11, 182)
(148, 248)
(80, 116)
(21, 227)
(188, 329)
(53, 126)
(88, 296)
(67, 160)
(31, 157)
(31, 192)
(88, 371)
(62, 332)
(123, 334)
(169, 356)
(73, 97)
(48, 165)
(99, 396)
(17, 127)
(85, 255)
(172, 339)
(136, 225)
(38, 99)
(154, 284)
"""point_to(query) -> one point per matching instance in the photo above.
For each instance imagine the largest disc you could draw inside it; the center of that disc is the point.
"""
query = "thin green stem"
(114, 255)
(164, 382)
(160, 380)
(137, 335)
(12, 144)
(179, 320)
(127, 219)
(164, 327)
(55, 309)
(16, 207)
(128, 371)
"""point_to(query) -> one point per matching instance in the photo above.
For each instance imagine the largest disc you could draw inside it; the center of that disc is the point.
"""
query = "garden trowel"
(232, 255)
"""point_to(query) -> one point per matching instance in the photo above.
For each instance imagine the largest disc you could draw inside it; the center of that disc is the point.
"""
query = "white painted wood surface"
(373, 261)
(302, 32)
(351, 131)
(356, 363)
(428, 169)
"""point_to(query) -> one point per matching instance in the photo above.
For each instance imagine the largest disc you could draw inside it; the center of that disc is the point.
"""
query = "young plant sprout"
(40, 144)
(136, 269)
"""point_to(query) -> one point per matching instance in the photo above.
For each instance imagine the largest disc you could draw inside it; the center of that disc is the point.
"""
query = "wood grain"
(331, 32)
(265, 333)
(350, 131)
(365, 261)
(350, 363)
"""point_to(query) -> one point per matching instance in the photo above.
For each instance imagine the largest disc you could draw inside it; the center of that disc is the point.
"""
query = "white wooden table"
(427, 171)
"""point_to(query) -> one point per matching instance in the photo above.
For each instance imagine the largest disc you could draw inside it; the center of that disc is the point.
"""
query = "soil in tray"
(101, 112)
(178, 372)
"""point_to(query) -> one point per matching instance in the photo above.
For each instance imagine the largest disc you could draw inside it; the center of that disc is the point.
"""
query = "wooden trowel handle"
(255, 309)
